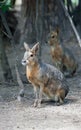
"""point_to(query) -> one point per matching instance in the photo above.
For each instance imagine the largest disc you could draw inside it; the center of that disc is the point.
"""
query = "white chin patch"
(23, 63)
(27, 62)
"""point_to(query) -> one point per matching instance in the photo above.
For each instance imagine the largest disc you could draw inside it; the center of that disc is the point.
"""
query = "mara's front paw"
(35, 103)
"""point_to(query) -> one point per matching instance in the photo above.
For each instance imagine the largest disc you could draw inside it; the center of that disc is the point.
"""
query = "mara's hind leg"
(60, 97)
(60, 101)
(66, 71)
(56, 98)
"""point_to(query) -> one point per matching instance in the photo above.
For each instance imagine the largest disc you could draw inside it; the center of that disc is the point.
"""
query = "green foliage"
(5, 4)
(75, 2)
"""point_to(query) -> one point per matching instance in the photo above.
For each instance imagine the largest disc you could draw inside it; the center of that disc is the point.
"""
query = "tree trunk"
(41, 25)
(4, 61)
(41, 17)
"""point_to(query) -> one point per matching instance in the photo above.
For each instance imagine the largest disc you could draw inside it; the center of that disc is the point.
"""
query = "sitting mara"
(62, 57)
(45, 78)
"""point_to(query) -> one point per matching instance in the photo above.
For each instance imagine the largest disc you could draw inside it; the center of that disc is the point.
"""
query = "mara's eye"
(52, 36)
(31, 55)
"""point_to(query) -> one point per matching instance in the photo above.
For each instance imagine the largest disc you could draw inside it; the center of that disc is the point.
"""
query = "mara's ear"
(26, 46)
(35, 48)
(57, 30)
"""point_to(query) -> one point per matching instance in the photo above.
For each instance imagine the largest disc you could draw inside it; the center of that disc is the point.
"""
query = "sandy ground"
(15, 115)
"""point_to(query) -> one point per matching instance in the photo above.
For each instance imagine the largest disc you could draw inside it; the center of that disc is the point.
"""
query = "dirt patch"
(22, 116)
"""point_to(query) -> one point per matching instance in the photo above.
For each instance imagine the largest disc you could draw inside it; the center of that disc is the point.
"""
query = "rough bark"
(76, 17)
(40, 17)
(4, 62)
(72, 25)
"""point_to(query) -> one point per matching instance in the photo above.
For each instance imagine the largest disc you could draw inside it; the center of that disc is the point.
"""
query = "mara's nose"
(23, 62)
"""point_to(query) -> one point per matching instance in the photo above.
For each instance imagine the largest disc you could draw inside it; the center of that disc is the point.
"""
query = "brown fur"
(48, 79)
(62, 57)
(49, 90)
(30, 72)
